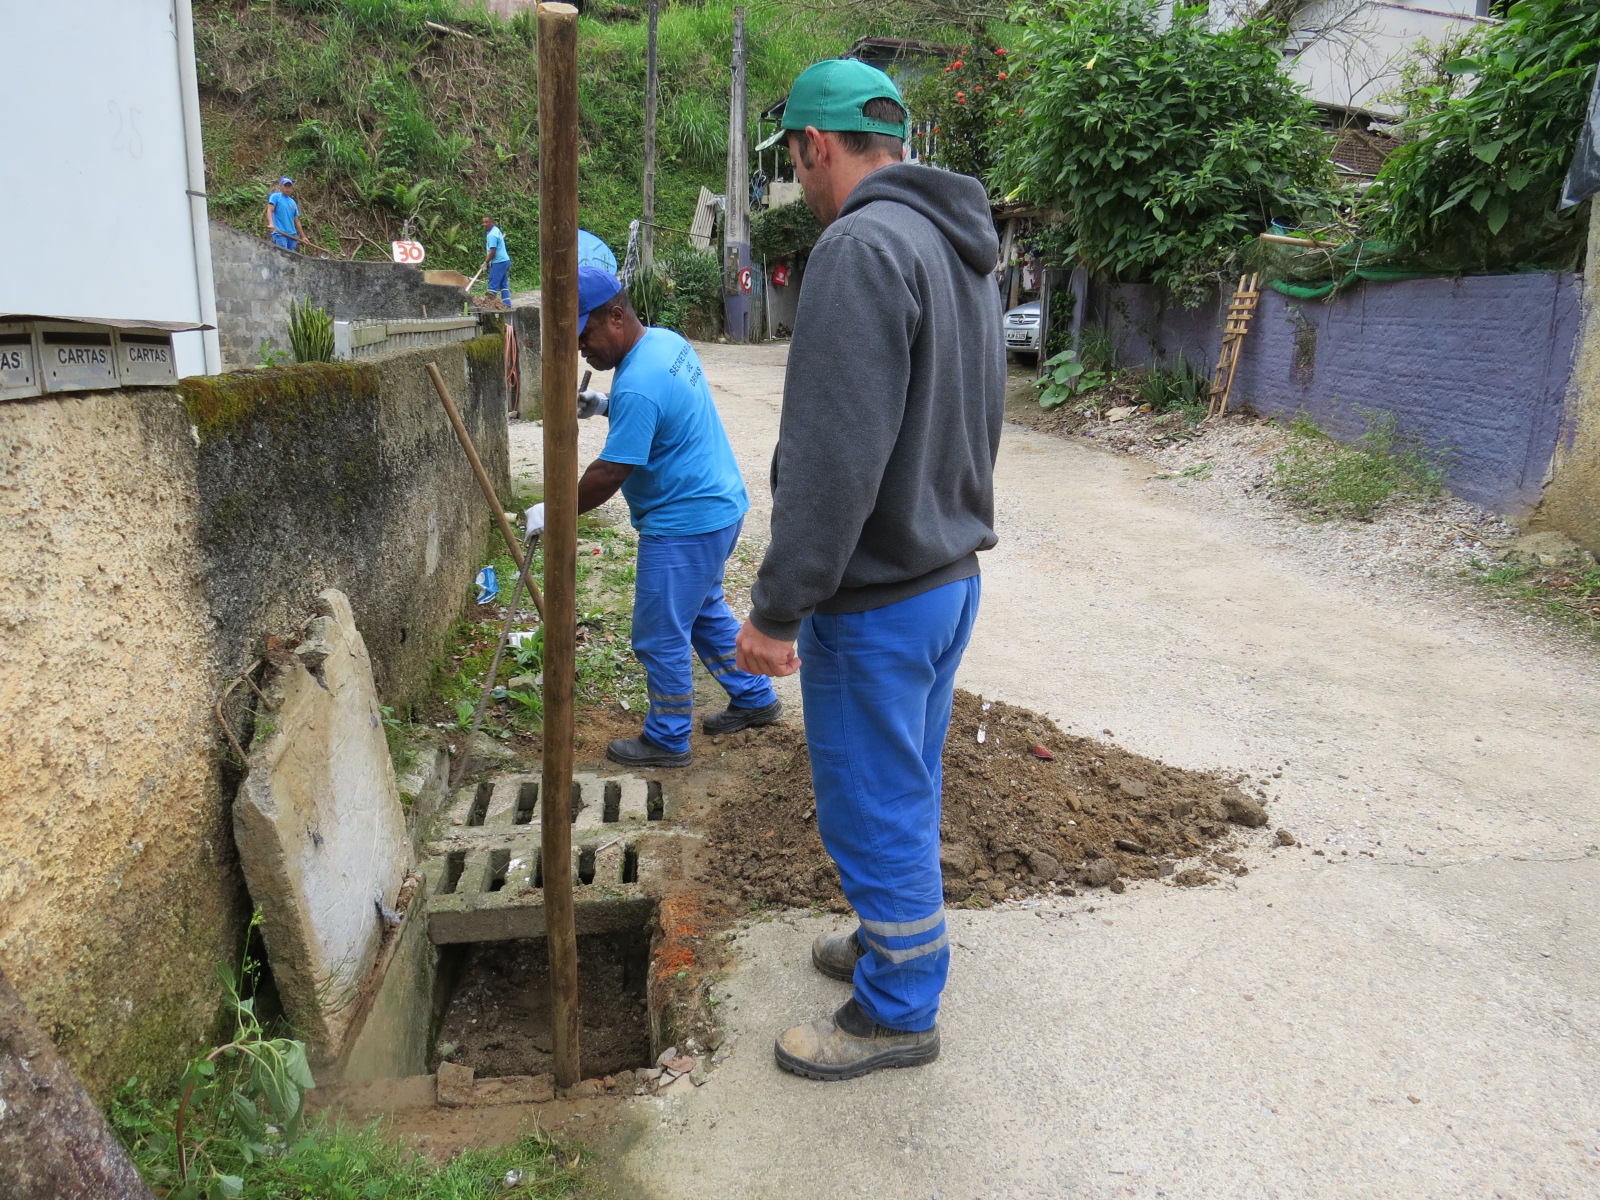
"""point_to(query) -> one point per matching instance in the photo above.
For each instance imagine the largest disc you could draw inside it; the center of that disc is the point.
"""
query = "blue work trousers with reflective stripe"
(500, 280)
(678, 612)
(877, 688)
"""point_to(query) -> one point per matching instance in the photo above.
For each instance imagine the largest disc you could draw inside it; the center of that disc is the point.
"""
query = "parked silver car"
(1022, 328)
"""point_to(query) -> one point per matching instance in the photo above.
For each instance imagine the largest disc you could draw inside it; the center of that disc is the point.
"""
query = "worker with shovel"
(669, 455)
(498, 259)
(882, 495)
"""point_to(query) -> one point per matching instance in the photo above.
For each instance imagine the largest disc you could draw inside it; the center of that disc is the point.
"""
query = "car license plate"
(1018, 335)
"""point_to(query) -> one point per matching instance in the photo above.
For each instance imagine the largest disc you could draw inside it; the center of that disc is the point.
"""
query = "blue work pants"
(878, 687)
(284, 241)
(678, 612)
(500, 280)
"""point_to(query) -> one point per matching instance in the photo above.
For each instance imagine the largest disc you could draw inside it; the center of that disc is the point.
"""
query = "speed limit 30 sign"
(408, 252)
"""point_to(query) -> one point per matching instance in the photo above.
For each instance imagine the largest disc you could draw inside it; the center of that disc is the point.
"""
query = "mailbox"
(40, 355)
(144, 359)
(19, 368)
(76, 357)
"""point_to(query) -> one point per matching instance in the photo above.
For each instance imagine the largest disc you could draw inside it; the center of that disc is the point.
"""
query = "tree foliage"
(967, 105)
(1476, 184)
(1169, 146)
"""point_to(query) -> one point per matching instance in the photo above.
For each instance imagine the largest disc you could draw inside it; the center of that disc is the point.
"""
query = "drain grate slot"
(655, 806)
(577, 798)
(538, 870)
(454, 863)
(499, 862)
(630, 865)
(527, 798)
(586, 865)
(480, 803)
(613, 808)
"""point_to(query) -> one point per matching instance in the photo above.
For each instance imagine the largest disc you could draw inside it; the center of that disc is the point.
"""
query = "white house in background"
(103, 208)
(1349, 53)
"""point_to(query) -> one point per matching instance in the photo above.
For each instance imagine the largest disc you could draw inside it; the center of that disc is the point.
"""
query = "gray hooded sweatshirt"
(882, 482)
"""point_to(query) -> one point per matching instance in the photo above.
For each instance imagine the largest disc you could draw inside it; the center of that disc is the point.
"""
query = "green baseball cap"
(830, 95)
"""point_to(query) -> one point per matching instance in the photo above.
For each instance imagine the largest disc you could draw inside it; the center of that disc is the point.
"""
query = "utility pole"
(736, 216)
(652, 89)
(558, 274)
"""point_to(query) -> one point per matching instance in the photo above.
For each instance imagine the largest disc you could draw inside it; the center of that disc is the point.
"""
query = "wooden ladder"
(1240, 309)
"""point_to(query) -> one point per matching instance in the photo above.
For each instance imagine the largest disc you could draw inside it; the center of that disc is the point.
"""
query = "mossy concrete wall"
(119, 892)
(154, 540)
(1571, 501)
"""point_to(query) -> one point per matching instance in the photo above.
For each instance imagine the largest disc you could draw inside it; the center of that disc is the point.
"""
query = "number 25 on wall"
(408, 252)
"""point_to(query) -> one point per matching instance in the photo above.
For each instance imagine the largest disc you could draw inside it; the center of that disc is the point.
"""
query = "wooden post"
(558, 274)
(652, 90)
(484, 483)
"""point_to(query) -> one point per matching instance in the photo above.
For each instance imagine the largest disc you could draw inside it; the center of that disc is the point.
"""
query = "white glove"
(593, 404)
(533, 519)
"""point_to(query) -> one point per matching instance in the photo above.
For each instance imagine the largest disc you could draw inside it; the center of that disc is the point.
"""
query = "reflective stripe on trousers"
(678, 612)
(877, 688)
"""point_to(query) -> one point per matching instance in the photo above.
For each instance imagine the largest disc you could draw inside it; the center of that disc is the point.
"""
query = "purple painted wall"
(1476, 367)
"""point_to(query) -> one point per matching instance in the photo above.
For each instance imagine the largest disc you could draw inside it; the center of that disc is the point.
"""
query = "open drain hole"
(454, 863)
(527, 798)
(630, 865)
(613, 805)
(480, 803)
(497, 1019)
(586, 865)
(538, 870)
(654, 805)
(499, 861)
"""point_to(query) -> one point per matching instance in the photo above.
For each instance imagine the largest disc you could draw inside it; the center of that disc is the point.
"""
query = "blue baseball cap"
(596, 285)
(286, 179)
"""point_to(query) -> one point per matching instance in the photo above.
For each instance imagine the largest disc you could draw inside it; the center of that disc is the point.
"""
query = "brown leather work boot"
(850, 1044)
(836, 954)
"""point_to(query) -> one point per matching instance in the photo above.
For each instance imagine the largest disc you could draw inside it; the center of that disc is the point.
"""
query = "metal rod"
(652, 89)
(489, 493)
(558, 273)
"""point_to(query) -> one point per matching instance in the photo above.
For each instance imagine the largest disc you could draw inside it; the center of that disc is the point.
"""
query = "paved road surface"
(1421, 1023)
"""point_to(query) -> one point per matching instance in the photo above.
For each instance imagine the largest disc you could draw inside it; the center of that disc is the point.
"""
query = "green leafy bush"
(1171, 146)
(1476, 183)
(1328, 479)
(783, 231)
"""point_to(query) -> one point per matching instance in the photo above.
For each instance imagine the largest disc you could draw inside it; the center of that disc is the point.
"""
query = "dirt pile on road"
(1027, 808)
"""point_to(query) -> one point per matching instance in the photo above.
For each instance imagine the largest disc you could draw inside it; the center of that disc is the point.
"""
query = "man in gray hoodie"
(882, 488)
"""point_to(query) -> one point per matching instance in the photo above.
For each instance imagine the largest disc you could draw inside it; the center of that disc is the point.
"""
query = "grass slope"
(380, 116)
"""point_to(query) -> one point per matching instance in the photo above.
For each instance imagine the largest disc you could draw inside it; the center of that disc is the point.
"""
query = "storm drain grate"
(485, 878)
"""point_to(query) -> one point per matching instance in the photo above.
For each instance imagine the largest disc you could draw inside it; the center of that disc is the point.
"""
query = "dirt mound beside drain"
(1014, 821)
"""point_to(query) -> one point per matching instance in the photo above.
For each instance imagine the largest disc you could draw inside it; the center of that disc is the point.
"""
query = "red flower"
(961, 96)
(960, 99)
(1000, 50)
(1002, 75)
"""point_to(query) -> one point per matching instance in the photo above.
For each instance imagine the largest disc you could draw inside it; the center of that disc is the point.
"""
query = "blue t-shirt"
(496, 243)
(284, 211)
(665, 425)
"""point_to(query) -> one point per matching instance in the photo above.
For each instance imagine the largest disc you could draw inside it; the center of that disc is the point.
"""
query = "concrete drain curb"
(484, 871)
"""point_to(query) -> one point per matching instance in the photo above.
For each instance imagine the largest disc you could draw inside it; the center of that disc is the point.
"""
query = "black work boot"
(836, 954)
(642, 752)
(732, 719)
(850, 1044)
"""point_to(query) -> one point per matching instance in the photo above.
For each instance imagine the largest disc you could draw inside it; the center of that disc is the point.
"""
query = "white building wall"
(100, 137)
(1349, 53)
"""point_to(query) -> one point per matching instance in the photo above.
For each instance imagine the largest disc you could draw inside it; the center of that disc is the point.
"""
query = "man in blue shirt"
(496, 258)
(283, 215)
(670, 456)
